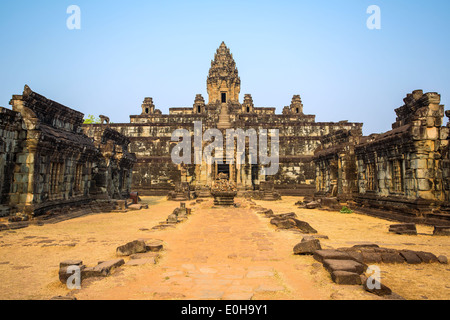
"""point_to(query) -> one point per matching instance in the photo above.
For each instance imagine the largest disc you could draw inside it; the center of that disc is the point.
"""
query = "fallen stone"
(426, 257)
(307, 247)
(64, 275)
(443, 259)
(441, 231)
(68, 263)
(154, 246)
(344, 265)
(321, 255)
(392, 257)
(283, 224)
(405, 228)
(376, 287)
(304, 226)
(312, 205)
(363, 246)
(130, 248)
(102, 269)
(289, 215)
(371, 257)
(410, 256)
(346, 278)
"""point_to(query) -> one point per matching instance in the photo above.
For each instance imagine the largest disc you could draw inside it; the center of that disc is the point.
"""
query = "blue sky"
(322, 50)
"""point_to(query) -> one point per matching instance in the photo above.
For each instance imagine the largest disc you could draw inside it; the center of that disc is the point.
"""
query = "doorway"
(224, 97)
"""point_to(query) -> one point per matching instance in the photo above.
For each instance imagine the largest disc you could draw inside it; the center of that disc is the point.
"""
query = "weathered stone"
(154, 246)
(376, 287)
(312, 205)
(103, 269)
(344, 265)
(346, 278)
(426, 257)
(392, 257)
(137, 246)
(307, 247)
(406, 228)
(321, 255)
(441, 231)
(371, 257)
(410, 256)
(443, 259)
(304, 226)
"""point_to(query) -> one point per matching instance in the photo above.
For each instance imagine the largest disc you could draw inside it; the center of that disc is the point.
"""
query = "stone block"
(346, 278)
(137, 246)
(344, 265)
(103, 269)
(410, 256)
(405, 228)
(426, 257)
(321, 255)
(371, 257)
(441, 231)
(392, 257)
(307, 247)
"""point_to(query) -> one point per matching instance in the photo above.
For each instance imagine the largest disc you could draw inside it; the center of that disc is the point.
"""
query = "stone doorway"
(223, 168)
(224, 97)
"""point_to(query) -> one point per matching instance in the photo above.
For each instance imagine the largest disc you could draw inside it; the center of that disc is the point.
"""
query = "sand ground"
(217, 253)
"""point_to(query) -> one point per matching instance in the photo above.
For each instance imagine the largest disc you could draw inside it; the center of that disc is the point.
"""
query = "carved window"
(397, 175)
(78, 177)
(56, 177)
(370, 176)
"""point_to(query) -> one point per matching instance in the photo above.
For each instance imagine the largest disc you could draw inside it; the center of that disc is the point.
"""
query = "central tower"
(223, 84)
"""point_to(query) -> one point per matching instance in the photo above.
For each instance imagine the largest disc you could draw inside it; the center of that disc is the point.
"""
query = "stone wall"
(47, 159)
(403, 170)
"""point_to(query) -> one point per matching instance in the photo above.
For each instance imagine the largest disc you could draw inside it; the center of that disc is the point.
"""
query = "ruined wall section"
(54, 162)
(402, 168)
(12, 135)
(113, 168)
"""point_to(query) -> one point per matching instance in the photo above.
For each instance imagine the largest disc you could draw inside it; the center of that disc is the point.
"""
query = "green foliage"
(92, 120)
(346, 210)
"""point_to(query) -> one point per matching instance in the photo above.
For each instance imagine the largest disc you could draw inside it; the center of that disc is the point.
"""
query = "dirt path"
(217, 253)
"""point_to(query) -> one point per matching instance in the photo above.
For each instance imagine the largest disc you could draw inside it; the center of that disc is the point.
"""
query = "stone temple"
(49, 159)
(150, 137)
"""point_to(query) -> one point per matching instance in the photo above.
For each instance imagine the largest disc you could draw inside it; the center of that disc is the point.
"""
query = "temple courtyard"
(217, 253)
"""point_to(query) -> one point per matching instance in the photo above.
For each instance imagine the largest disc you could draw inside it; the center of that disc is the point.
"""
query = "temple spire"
(223, 82)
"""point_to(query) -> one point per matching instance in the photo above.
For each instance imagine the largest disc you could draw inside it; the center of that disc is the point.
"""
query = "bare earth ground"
(217, 253)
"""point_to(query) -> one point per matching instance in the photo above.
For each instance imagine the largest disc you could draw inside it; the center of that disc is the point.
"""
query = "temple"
(150, 137)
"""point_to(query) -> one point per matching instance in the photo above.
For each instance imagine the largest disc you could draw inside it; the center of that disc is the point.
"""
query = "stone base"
(224, 198)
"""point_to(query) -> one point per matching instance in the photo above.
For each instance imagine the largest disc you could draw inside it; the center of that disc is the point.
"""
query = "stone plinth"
(224, 198)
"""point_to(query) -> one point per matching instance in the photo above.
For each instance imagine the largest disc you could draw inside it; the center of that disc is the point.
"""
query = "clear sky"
(322, 50)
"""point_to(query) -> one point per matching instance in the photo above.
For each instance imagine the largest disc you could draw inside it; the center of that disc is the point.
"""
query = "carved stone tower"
(223, 84)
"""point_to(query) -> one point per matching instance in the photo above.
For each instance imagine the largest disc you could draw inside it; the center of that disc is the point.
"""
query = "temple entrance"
(223, 168)
(254, 175)
(224, 97)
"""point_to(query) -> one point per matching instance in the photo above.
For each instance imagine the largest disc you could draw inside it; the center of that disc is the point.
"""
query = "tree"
(91, 120)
